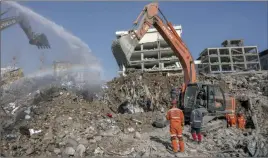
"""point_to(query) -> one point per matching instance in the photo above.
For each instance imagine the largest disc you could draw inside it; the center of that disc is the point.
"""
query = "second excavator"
(217, 103)
(39, 40)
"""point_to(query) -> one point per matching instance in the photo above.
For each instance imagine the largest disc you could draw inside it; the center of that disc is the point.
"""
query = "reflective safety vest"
(175, 116)
(196, 118)
(241, 122)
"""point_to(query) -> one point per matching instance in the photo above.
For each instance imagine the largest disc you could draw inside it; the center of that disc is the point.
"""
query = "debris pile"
(137, 88)
(58, 120)
(10, 74)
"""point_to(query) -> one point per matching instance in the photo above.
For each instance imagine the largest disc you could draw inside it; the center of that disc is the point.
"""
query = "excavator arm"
(215, 99)
(148, 18)
(7, 22)
(39, 40)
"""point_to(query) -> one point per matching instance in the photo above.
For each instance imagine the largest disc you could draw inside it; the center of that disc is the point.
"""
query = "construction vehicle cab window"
(169, 84)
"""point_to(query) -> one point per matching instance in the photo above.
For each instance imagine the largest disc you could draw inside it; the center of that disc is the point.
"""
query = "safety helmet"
(174, 102)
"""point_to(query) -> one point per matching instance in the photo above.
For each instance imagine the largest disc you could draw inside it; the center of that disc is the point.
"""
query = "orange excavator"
(217, 103)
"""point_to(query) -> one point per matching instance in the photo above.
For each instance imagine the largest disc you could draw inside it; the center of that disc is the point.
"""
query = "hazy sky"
(204, 24)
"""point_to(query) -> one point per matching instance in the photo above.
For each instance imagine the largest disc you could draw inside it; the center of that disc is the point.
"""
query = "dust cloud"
(64, 45)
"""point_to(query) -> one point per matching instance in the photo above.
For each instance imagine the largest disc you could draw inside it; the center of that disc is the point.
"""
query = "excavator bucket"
(40, 41)
(123, 48)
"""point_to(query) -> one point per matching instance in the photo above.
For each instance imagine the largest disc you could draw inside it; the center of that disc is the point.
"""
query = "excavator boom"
(216, 100)
(39, 40)
(148, 18)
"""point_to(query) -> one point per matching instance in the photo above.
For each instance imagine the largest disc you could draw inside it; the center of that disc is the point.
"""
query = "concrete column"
(258, 58)
(219, 58)
(160, 65)
(231, 59)
(142, 56)
(209, 63)
(245, 60)
(142, 66)
(202, 59)
(141, 46)
(159, 51)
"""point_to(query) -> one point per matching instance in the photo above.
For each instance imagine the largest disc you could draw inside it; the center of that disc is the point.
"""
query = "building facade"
(233, 56)
(76, 72)
(152, 54)
(264, 59)
(60, 67)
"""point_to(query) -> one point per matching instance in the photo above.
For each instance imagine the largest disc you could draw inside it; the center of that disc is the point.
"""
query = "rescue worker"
(201, 98)
(180, 99)
(241, 121)
(231, 120)
(148, 103)
(176, 118)
(174, 94)
(196, 121)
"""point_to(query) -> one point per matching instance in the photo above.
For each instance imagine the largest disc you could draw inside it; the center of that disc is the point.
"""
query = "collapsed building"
(233, 56)
(76, 72)
(152, 54)
(57, 122)
(60, 67)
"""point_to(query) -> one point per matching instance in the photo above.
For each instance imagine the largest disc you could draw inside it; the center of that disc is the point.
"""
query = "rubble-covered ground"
(68, 121)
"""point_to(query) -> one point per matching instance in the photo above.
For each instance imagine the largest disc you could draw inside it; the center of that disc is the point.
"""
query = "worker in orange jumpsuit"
(241, 121)
(176, 118)
(231, 120)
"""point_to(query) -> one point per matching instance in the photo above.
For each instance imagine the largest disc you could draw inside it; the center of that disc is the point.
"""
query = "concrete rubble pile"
(10, 74)
(136, 88)
(56, 120)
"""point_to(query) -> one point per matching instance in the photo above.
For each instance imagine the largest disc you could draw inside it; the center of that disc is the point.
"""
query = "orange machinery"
(217, 102)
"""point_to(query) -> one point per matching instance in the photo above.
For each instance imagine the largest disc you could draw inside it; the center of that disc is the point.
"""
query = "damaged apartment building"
(233, 56)
(76, 72)
(60, 67)
(152, 54)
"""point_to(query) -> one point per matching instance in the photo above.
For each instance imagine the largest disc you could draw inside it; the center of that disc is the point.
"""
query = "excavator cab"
(213, 99)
